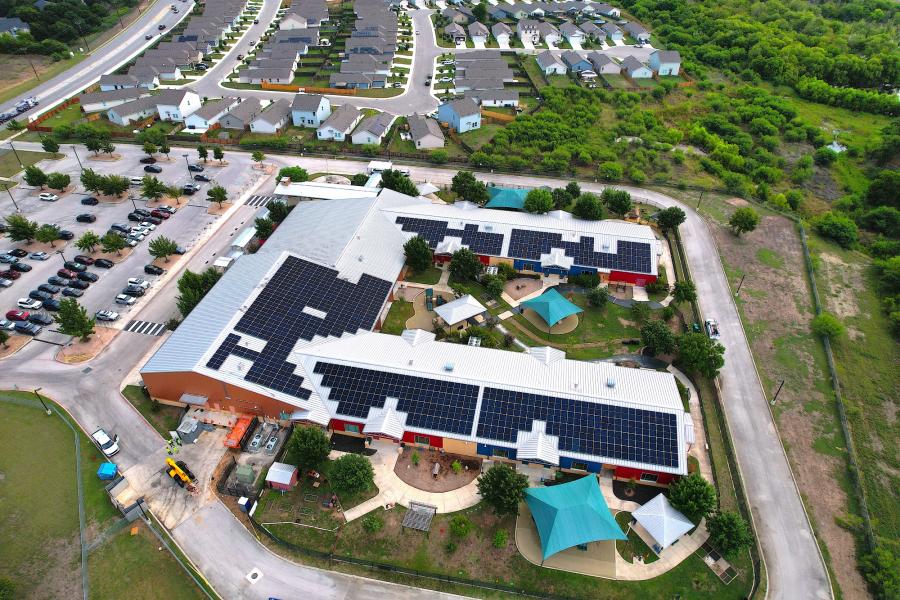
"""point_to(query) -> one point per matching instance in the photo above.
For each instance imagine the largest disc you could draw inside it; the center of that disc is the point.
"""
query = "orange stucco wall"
(222, 396)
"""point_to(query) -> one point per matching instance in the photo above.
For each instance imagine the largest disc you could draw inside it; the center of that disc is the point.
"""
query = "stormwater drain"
(86, 370)
(254, 575)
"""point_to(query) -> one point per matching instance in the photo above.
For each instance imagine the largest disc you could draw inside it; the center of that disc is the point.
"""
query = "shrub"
(839, 228)
(450, 547)
(598, 297)
(640, 311)
(827, 325)
(456, 466)
(500, 539)
(460, 526)
(693, 496)
(372, 523)
(729, 532)
(415, 458)
(352, 473)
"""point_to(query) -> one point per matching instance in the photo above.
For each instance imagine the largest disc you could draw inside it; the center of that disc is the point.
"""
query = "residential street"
(226, 552)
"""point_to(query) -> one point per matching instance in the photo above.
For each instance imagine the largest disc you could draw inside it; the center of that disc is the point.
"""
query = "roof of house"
(136, 106)
(307, 102)
(9, 24)
(610, 28)
(631, 64)
(247, 110)
(598, 59)
(500, 28)
(571, 58)
(460, 309)
(493, 94)
(276, 112)
(131, 93)
(526, 24)
(547, 59)
(377, 125)
(421, 127)
(635, 29)
(667, 56)
(569, 29)
(281, 473)
(477, 28)
(547, 29)
(280, 73)
(342, 118)
(463, 107)
(454, 29)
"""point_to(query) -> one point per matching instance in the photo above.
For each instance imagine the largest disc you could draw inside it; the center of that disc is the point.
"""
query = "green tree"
(49, 144)
(827, 325)
(218, 153)
(693, 496)
(47, 234)
(699, 353)
(684, 291)
(617, 201)
(397, 181)
(4, 338)
(35, 177)
(202, 152)
(107, 147)
(278, 211)
(598, 297)
(112, 242)
(217, 194)
(729, 532)
(839, 228)
(882, 570)
(468, 188)
(588, 207)
(192, 287)
(824, 156)
(308, 447)
(611, 171)
(74, 320)
(640, 311)
(164, 148)
(295, 174)
(561, 198)
(539, 201)
(87, 241)
(574, 189)
(439, 156)
(264, 228)
(884, 189)
(150, 148)
(20, 229)
(464, 265)
(359, 179)
(670, 218)
(162, 247)
(460, 526)
(152, 188)
(351, 473)
(372, 523)
(493, 285)
(657, 337)
(418, 254)
(114, 185)
(744, 220)
(502, 488)
(258, 157)
(7, 586)
(480, 12)
(91, 180)
(58, 181)
(93, 144)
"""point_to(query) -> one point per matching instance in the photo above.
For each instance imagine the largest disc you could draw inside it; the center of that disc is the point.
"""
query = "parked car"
(75, 266)
(58, 281)
(65, 234)
(66, 274)
(104, 263)
(90, 201)
(712, 329)
(48, 197)
(170, 209)
(21, 267)
(40, 319)
(4, 282)
(133, 290)
(180, 250)
(135, 217)
(106, 315)
(18, 253)
(141, 211)
(240, 57)
(134, 235)
(189, 189)
(148, 225)
(52, 304)
(160, 214)
(85, 260)
(138, 282)
(88, 276)
(27, 328)
(39, 295)
(123, 299)
(201, 177)
(149, 36)
(195, 168)
(153, 270)
(16, 315)
(6, 325)
(86, 218)
(49, 288)
(161, 26)
(79, 284)
(10, 274)
(29, 304)
(201, 66)
(153, 169)
(109, 446)
(123, 227)
(38, 256)
(8, 259)
(152, 220)
(72, 292)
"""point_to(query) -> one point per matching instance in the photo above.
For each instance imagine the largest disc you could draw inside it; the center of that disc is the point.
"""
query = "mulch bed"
(421, 477)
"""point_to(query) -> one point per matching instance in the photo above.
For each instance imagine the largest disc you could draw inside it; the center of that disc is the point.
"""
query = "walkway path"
(670, 558)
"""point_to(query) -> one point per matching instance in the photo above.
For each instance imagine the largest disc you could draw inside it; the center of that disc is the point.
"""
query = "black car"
(58, 281)
(51, 304)
(40, 319)
(180, 250)
(141, 211)
(72, 292)
(148, 160)
(90, 201)
(65, 234)
(79, 284)
(188, 189)
(123, 227)
(135, 217)
(86, 218)
(88, 276)
(75, 266)
(201, 67)
(153, 169)
(161, 26)
(18, 253)
(49, 288)
(20, 267)
(153, 270)
(201, 178)
(39, 295)
(133, 290)
(195, 168)
(148, 36)
(154, 220)
(104, 263)
(27, 328)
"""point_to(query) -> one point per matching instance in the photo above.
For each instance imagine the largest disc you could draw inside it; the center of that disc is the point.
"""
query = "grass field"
(9, 162)
(595, 325)
(481, 136)
(163, 418)
(429, 276)
(634, 545)
(397, 316)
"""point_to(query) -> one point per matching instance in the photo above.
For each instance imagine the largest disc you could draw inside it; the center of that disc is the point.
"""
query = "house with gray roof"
(372, 129)
(13, 25)
(550, 64)
(635, 69)
(117, 82)
(279, 75)
(591, 31)
(501, 97)
(572, 32)
(607, 10)
(425, 133)
(338, 126)
(460, 15)
(603, 65)
(273, 118)
(310, 110)
(612, 31)
(455, 33)
(501, 33)
(575, 61)
(209, 114)
(665, 62)
(549, 33)
(462, 115)
(98, 101)
(528, 31)
(240, 116)
(637, 31)
(478, 32)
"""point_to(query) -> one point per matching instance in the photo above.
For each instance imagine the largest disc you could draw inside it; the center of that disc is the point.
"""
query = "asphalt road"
(105, 59)
(226, 552)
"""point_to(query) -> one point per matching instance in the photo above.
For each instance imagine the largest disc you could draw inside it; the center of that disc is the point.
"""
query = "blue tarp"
(506, 198)
(107, 471)
(552, 306)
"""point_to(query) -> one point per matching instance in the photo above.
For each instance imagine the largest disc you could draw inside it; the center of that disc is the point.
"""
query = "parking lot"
(186, 227)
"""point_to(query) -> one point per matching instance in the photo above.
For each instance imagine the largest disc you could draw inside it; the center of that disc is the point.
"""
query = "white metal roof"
(386, 420)
(459, 309)
(317, 190)
(280, 473)
(537, 444)
(662, 521)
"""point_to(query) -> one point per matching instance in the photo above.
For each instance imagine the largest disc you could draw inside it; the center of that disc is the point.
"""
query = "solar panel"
(616, 432)
(302, 300)
(629, 256)
(480, 242)
(433, 404)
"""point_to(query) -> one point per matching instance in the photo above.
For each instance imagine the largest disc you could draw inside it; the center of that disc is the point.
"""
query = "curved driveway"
(226, 552)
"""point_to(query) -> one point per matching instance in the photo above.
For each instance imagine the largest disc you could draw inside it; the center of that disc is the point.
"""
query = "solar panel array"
(616, 432)
(480, 242)
(429, 403)
(629, 256)
(277, 316)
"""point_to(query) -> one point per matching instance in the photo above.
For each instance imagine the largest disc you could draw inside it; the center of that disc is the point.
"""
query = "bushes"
(460, 526)
(372, 523)
(352, 473)
(827, 325)
(839, 228)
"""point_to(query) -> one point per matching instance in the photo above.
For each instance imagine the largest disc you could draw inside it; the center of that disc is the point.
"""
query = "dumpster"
(107, 471)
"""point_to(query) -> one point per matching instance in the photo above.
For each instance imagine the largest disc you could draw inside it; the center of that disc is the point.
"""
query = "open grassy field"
(9, 161)
(397, 316)
(429, 276)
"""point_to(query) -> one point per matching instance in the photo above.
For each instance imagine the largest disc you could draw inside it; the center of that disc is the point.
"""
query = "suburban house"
(117, 82)
(462, 115)
(503, 98)
(310, 110)
(603, 64)
(591, 31)
(339, 124)
(572, 33)
(478, 32)
(536, 11)
(612, 31)
(635, 69)
(461, 15)
(576, 62)
(129, 112)
(425, 132)
(176, 105)
(98, 101)
(498, 12)
(293, 21)
(362, 81)
(372, 129)
(279, 75)
(549, 64)
(665, 62)
(209, 114)
(501, 32)
(608, 10)
(455, 33)
(13, 25)
(549, 33)
(240, 116)
(528, 31)
(637, 31)
(273, 118)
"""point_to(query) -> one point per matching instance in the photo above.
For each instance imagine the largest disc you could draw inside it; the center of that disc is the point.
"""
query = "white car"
(137, 234)
(7, 325)
(448, 62)
(169, 209)
(29, 304)
(142, 283)
(131, 243)
(39, 256)
(4, 282)
(48, 197)
(106, 315)
(125, 299)
(108, 446)
(148, 225)
(712, 329)
(446, 80)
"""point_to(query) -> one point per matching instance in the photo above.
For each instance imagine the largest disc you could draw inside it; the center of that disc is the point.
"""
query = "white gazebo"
(456, 314)
(661, 522)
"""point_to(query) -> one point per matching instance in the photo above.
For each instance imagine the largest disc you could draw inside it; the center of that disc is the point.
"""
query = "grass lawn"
(481, 136)
(48, 71)
(380, 92)
(395, 322)
(605, 325)
(559, 80)
(9, 164)
(429, 276)
(634, 545)
(163, 418)
(66, 116)
(616, 81)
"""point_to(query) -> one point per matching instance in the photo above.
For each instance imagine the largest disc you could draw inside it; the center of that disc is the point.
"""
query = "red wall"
(410, 438)
(635, 278)
(485, 260)
(629, 473)
(442, 258)
(338, 425)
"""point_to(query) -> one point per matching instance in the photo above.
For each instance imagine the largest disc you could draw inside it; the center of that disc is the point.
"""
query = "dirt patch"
(49, 248)
(420, 476)
(737, 202)
(79, 352)
(521, 286)
(14, 344)
(58, 571)
(111, 199)
(112, 256)
(841, 296)
(176, 201)
(218, 210)
(105, 157)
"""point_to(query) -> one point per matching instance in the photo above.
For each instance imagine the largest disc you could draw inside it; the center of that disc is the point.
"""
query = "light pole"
(6, 187)
(131, 197)
(21, 164)
(75, 151)
(63, 256)
(41, 400)
(778, 391)
(188, 163)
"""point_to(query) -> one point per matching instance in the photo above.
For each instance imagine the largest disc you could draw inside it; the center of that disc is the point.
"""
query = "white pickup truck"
(712, 329)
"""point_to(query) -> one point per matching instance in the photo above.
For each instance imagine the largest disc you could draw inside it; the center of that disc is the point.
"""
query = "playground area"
(423, 301)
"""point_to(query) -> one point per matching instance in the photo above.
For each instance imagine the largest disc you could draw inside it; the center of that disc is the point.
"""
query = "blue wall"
(566, 463)
(531, 265)
(488, 450)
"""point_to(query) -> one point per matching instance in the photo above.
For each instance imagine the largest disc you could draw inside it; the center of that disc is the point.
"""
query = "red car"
(85, 260)
(10, 274)
(66, 274)
(17, 315)
(160, 214)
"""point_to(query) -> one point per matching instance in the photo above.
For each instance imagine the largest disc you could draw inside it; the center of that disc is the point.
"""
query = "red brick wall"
(436, 441)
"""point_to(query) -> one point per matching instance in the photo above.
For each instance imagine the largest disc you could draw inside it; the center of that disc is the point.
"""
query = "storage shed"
(282, 476)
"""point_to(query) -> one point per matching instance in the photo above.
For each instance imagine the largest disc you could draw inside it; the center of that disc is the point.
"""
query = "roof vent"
(359, 258)
(610, 382)
(410, 362)
(488, 227)
(448, 367)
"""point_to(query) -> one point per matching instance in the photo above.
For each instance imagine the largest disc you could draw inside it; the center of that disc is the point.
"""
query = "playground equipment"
(180, 474)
